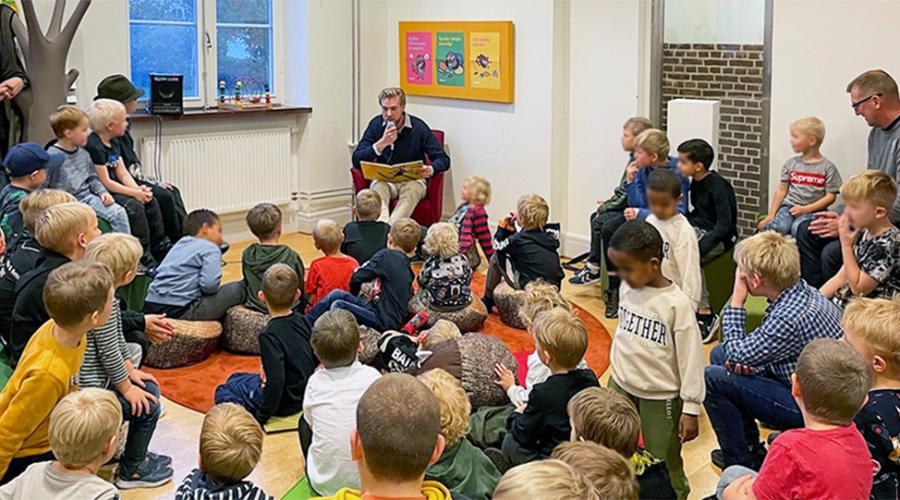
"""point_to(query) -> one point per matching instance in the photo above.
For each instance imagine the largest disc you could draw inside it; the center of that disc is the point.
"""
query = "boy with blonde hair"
(333, 270)
(391, 268)
(535, 428)
(76, 174)
(231, 443)
(109, 121)
(870, 326)
(445, 281)
(749, 376)
(366, 234)
(264, 221)
(471, 220)
(79, 298)
(828, 457)
(546, 479)
(28, 165)
(462, 468)
(809, 182)
(83, 434)
(870, 243)
(608, 471)
(64, 232)
(527, 255)
(110, 364)
(442, 331)
(329, 404)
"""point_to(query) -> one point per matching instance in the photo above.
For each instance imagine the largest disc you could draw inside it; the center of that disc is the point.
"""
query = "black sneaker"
(224, 247)
(498, 459)
(612, 303)
(708, 330)
(757, 457)
(160, 460)
(585, 277)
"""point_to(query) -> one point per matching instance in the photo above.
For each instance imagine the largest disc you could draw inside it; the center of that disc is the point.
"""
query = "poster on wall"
(458, 59)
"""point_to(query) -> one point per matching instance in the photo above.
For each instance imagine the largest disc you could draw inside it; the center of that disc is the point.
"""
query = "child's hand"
(631, 171)
(798, 210)
(846, 232)
(262, 375)
(138, 377)
(2, 243)
(505, 376)
(688, 427)
(520, 409)
(143, 196)
(765, 222)
(139, 400)
(631, 213)
(740, 489)
(158, 328)
(422, 338)
(107, 199)
(739, 292)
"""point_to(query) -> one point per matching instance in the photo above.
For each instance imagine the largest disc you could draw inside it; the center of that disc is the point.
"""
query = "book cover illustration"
(418, 54)
(450, 59)
(484, 51)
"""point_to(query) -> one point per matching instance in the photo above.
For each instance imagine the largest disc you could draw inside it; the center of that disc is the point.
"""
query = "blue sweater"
(637, 189)
(412, 144)
(192, 268)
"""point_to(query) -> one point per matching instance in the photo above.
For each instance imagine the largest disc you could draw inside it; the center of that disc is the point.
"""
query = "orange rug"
(194, 386)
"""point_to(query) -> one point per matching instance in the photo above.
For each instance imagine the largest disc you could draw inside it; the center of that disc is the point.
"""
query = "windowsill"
(141, 115)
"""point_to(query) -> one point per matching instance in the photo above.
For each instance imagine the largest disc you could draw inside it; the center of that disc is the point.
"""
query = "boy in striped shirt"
(110, 363)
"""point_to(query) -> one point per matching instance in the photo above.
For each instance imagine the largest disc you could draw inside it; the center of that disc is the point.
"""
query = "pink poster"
(418, 58)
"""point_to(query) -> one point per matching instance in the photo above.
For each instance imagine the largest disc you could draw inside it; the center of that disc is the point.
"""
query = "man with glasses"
(874, 96)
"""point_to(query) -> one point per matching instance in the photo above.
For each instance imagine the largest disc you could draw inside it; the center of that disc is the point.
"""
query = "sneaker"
(148, 475)
(416, 323)
(708, 329)
(757, 456)
(159, 460)
(498, 459)
(585, 277)
(224, 247)
(612, 304)
(162, 409)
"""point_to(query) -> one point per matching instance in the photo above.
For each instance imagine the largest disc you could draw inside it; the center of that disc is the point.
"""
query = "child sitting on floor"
(186, 285)
(610, 474)
(28, 165)
(365, 235)
(264, 221)
(333, 270)
(231, 443)
(545, 479)
(287, 358)
(83, 434)
(445, 280)
(870, 326)
(471, 220)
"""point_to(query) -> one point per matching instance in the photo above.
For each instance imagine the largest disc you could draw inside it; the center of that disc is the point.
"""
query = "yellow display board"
(472, 60)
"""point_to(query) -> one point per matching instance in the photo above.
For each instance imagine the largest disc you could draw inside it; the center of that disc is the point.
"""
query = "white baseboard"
(310, 207)
(574, 244)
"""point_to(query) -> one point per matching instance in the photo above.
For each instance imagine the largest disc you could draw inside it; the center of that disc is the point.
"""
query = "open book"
(401, 172)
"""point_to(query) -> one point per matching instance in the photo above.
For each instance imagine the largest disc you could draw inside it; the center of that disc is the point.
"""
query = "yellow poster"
(484, 63)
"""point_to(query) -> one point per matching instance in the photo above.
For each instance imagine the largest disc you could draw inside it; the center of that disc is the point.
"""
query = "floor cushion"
(192, 343)
(472, 358)
(241, 328)
(468, 319)
(508, 301)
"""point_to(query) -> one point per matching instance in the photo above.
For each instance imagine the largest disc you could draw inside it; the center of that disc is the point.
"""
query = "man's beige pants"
(407, 194)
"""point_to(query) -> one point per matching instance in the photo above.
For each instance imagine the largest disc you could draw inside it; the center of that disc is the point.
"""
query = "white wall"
(818, 47)
(715, 21)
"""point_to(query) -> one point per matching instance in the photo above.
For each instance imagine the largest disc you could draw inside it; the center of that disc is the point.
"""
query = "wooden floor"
(281, 466)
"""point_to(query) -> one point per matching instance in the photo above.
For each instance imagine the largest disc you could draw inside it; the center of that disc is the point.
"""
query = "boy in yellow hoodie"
(392, 460)
(78, 296)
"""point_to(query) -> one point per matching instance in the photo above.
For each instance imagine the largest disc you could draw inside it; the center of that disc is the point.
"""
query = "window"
(231, 39)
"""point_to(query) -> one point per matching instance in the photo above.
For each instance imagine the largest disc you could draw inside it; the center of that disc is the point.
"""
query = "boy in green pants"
(657, 356)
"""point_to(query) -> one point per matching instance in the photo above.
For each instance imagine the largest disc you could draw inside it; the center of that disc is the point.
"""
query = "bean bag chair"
(508, 301)
(468, 319)
(242, 327)
(192, 343)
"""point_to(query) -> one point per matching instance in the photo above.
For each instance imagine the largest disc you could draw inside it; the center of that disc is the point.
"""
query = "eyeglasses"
(859, 103)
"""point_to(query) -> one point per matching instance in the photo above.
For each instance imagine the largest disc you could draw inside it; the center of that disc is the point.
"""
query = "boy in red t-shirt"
(828, 458)
(332, 271)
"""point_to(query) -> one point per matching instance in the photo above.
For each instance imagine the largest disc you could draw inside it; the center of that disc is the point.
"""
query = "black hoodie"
(533, 253)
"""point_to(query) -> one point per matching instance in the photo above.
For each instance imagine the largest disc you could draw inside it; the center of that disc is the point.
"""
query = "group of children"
(560, 436)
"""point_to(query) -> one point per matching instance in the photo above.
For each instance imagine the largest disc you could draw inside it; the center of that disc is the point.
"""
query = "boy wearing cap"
(27, 165)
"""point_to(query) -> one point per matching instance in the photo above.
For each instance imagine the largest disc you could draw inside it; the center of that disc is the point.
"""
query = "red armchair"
(430, 209)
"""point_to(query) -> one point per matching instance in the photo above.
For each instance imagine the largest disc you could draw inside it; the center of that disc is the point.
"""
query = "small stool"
(479, 353)
(241, 328)
(469, 319)
(193, 342)
(369, 339)
(509, 301)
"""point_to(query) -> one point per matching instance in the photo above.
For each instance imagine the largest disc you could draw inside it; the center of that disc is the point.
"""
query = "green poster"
(450, 60)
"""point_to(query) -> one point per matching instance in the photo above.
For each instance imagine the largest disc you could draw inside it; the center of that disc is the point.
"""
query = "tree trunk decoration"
(45, 63)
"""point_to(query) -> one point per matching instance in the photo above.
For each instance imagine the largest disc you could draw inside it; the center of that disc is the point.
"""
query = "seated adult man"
(749, 377)
(874, 96)
(396, 137)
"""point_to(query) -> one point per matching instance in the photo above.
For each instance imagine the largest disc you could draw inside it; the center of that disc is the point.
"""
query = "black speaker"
(166, 94)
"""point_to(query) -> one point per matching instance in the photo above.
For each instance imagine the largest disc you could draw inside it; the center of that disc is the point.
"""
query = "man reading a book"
(395, 137)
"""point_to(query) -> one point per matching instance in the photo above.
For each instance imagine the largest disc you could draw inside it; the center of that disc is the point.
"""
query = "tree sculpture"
(45, 63)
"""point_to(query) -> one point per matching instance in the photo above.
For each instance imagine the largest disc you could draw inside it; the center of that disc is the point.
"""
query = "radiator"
(225, 173)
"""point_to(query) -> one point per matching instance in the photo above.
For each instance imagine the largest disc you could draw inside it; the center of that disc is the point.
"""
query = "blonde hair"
(33, 205)
(103, 112)
(653, 141)
(230, 443)
(563, 335)
(534, 211)
(442, 240)
(637, 124)
(606, 417)
(119, 252)
(871, 185)
(406, 233)
(453, 401)
(327, 235)
(834, 380)
(609, 472)
(876, 81)
(59, 226)
(546, 480)
(772, 256)
(368, 204)
(479, 189)
(82, 424)
(540, 296)
(812, 127)
(876, 320)
(390, 93)
(76, 290)
(66, 117)
(442, 331)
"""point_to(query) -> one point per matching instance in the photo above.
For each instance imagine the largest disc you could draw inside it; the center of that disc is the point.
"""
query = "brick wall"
(733, 75)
